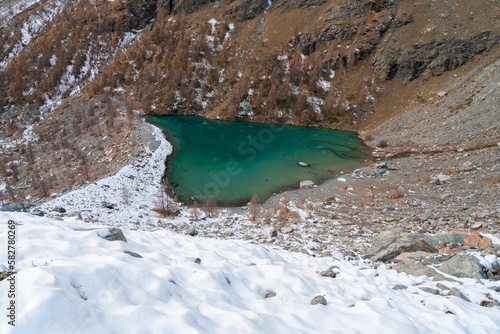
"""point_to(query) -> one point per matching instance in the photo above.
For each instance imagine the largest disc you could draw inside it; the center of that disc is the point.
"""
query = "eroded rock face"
(432, 58)
(243, 10)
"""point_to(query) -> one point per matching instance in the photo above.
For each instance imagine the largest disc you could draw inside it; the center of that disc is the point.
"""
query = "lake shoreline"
(231, 161)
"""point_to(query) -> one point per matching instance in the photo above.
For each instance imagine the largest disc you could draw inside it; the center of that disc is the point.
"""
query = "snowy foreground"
(72, 280)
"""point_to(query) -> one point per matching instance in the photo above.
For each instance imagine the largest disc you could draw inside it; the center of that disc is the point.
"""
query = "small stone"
(426, 216)
(115, 234)
(341, 179)
(446, 196)
(442, 286)
(306, 184)
(467, 166)
(399, 287)
(197, 260)
(270, 294)
(286, 229)
(457, 293)
(440, 178)
(319, 300)
(59, 209)
(430, 290)
(192, 231)
(108, 205)
(441, 94)
(133, 254)
(38, 213)
(477, 225)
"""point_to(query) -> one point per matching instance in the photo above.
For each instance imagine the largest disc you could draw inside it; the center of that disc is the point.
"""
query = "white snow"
(324, 85)
(71, 280)
(133, 191)
(316, 103)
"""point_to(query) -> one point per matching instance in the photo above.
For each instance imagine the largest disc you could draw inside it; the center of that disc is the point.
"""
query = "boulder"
(441, 240)
(464, 266)
(115, 234)
(14, 207)
(319, 300)
(476, 240)
(417, 269)
(133, 254)
(412, 257)
(440, 178)
(457, 293)
(389, 244)
(306, 184)
(59, 209)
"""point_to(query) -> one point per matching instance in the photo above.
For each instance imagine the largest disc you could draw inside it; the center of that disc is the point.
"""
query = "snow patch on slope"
(71, 280)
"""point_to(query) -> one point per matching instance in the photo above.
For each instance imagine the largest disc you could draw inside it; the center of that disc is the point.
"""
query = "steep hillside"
(349, 64)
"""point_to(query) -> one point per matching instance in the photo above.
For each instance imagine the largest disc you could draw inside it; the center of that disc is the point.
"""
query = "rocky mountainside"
(349, 64)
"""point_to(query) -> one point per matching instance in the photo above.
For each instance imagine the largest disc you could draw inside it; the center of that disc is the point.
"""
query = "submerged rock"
(306, 184)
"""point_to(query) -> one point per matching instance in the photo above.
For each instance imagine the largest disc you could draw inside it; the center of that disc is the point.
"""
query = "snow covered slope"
(72, 280)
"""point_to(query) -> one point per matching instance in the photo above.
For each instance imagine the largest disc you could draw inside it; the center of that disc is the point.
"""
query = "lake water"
(232, 161)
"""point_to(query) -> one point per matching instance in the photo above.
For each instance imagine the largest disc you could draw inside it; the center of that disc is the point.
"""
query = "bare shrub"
(253, 208)
(383, 143)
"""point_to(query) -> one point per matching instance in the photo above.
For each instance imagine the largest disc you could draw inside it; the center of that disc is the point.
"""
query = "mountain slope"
(348, 64)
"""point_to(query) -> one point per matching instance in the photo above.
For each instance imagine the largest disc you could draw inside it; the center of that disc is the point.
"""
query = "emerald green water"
(231, 161)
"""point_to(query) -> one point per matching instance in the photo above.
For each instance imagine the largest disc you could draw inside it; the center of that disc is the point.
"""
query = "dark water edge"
(231, 161)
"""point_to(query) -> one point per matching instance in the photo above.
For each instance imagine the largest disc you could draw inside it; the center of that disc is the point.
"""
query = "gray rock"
(319, 300)
(420, 270)
(59, 209)
(467, 166)
(429, 290)
(306, 184)
(389, 244)
(426, 216)
(14, 207)
(133, 254)
(442, 286)
(477, 225)
(270, 294)
(192, 231)
(399, 287)
(108, 205)
(38, 213)
(457, 293)
(440, 178)
(446, 196)
(464, 265)
(115, 234)
(443, 239)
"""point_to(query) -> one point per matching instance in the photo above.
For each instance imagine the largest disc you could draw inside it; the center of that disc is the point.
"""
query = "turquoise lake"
(231, 161)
